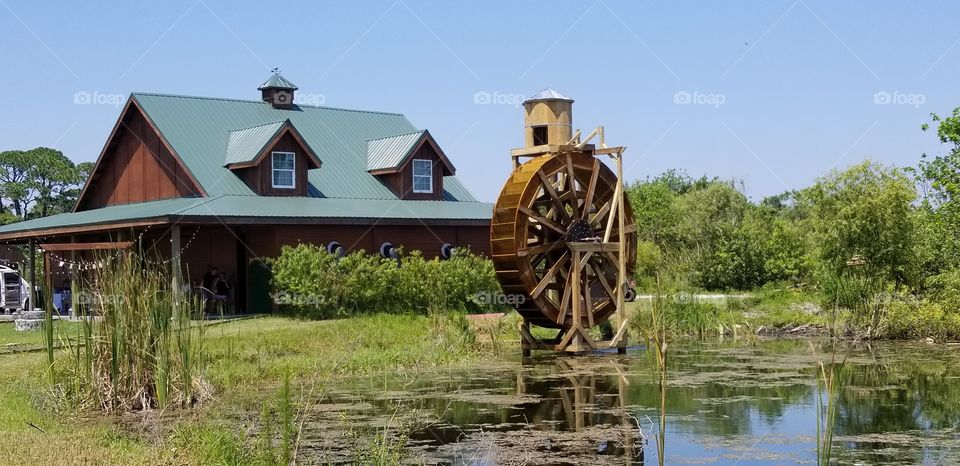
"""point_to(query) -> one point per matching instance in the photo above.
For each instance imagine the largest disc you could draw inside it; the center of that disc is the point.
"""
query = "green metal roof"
(197, 128)
(243, 145)
(225, 207)
(389, 152)
(105, 215)
(277, 82)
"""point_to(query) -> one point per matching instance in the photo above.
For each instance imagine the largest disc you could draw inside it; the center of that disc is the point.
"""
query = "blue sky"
(774, 93)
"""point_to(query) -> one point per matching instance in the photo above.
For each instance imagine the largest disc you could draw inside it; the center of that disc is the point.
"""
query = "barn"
(205, 182)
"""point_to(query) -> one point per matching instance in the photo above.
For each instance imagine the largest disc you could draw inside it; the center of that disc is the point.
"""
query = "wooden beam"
(572, 186)
(587, 246)
(550, 148)
(175, 265)
(591, 189)
(542, 220)
(86, 246)
(33, 275)
(550, 274)
(616, 150)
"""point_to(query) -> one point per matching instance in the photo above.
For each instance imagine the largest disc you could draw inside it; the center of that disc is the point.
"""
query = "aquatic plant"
(831, 378)
(144, 350)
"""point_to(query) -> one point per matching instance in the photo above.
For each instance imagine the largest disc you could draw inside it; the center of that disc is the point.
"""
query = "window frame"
(274, 170)
(414, 176)
(541, 135)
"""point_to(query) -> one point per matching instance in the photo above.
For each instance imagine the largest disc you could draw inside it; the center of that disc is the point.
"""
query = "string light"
(83, 265)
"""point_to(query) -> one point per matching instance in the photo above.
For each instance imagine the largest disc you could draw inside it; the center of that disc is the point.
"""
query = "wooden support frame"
(576, 338)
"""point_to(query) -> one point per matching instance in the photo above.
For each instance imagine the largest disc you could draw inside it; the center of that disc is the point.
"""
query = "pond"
(727, 402)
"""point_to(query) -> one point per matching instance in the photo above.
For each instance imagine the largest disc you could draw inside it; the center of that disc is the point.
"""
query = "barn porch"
(193, 243)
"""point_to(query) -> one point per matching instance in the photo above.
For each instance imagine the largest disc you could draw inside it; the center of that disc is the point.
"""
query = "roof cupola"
(278, 91)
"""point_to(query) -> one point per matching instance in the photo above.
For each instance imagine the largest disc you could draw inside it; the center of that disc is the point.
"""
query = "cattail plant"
(144, 349)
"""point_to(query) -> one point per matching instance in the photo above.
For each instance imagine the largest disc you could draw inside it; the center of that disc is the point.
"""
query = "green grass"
(768, 308)
(264, 349)
(241, 356)
(9, 336)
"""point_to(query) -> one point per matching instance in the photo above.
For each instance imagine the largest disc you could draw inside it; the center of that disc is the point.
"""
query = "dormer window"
(284, 170)
(422, 176)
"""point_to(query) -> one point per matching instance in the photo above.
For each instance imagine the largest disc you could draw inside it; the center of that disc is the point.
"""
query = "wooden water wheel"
(557, 207)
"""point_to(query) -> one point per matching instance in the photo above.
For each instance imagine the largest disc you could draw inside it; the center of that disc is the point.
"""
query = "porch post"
(74, 286)
(175, 266)
(32, 292)
(48, 305)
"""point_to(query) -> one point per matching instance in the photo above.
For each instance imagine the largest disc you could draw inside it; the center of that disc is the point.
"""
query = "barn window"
(284, 170)
(539, 135)
(422, 176)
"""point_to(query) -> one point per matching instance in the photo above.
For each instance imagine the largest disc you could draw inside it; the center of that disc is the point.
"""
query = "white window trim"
(273, 169)
(414, 176)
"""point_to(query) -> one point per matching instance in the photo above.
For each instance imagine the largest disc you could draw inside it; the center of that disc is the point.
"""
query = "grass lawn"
(10, 337)
(768, 309)
(241, 355)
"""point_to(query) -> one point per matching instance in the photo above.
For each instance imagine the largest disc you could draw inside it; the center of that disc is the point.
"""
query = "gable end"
(136, 165)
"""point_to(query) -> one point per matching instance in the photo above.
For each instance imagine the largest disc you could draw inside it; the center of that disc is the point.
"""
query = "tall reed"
(831, 378)
(656, 333)
(144, 350)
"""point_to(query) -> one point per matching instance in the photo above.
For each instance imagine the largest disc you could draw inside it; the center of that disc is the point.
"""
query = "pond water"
(727, 403)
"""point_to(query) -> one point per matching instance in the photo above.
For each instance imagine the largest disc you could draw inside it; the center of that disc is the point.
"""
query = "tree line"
(896, 225)
(38, 182)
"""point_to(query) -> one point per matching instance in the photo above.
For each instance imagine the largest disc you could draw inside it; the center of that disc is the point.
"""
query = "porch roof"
(236, 209)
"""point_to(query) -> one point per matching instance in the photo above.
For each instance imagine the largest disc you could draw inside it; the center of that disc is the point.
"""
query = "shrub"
(921, 318)
(311, 283)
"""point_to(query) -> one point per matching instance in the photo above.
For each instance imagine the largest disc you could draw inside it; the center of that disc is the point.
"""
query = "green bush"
(311, 283)
(921, 318)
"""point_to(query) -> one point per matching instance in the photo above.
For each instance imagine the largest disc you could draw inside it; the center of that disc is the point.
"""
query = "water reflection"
(751, 403)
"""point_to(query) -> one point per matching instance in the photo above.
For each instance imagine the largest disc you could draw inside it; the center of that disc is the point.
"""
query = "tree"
(39, 182)
(939, 180)
(864, 213)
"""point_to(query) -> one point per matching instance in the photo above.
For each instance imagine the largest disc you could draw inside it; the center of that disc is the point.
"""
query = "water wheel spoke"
(552, 193)
(601, 277)
(600, 217)
(587, 299)
(551, 273)
(541, 248)
(542, 220)
(591, 190)
(572, 185)
(565, 300)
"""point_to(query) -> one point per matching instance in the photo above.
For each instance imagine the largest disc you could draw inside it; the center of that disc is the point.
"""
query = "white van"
(15, 292)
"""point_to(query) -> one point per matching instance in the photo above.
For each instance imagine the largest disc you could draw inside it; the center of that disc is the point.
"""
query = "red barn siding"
(136, 167)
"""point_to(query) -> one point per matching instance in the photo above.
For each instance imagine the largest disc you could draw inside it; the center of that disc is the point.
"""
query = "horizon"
(720, 89)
